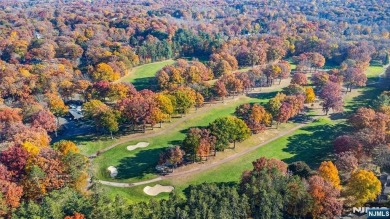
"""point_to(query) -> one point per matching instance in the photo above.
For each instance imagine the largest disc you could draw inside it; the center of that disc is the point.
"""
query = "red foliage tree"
(299, 78)
(331, 97)
(354, 77)
(46, 120)
(15, 159)
(269, 164)
(347, 143)
(326, 201)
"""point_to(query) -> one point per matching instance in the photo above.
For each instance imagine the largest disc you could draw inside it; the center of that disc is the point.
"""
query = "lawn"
(142, 76)
(139, 164)
(374, 71)
(312, 144)
(363, 96)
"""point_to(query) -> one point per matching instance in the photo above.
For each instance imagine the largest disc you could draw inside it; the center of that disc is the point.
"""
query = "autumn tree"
(66, 147)
(294, 89)
(56, 105)
(108, 120)
(255, 116)
(275, 103)
(165, 104)
(331, 97)
(325, 198)
(220, 89)
(347, 143)
(228, 129)
(12, 194)
(319, 79)
(347, 163)
(286, 69)
(362, 118)
(93, 108)
(299, 78)
(272, 72)
(104, 72)
(269, 164)
(329, 172)
(363, 186)
(284, 113)
(310, 95)
(15, 159)
(117, 91)
(354, 77)
(172, 156)
(191, 142)
(185, 98)
(46, 120)
(103, 116)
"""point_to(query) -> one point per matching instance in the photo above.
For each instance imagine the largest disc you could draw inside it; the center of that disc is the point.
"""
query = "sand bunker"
(138, 145)
(113, 171)
(157, 189)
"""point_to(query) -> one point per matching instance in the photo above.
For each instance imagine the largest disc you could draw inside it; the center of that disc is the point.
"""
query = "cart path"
(198, 112)
(205, 166)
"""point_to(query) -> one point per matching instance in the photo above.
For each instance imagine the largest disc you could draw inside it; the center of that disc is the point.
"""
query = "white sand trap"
(113, 171)
(157, 189)
(138, 145)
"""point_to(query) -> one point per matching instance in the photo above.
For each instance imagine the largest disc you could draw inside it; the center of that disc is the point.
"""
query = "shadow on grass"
(143, 163)
(145, 83)
(368, 94)
(263, 96)
(316, 145)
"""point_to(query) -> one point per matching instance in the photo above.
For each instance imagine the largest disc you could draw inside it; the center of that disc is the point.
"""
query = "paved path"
(208, 166)
(214, 164)
(198, 112)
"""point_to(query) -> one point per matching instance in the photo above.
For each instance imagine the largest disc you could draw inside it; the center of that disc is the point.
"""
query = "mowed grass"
(311, 143)
(138, 165)
(364, 96)
(374, 71)
(143, 76)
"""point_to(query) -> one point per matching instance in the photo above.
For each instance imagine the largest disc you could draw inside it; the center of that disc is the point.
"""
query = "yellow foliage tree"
(105, 72)
(66, 146)
(81, 183)
(31, 149)
(329, 172)
(56, 105)
(310, 95)
(363, 186)
(118, 91)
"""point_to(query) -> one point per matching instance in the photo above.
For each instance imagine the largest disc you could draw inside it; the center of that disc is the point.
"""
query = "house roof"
(75, 114)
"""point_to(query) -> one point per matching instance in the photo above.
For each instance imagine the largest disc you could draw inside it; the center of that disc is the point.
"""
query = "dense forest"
(57, 52)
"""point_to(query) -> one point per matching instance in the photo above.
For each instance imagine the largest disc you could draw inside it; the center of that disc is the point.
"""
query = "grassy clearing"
(374, 71)
(139, 164)
(363, 96)
(90, 144)
(142, 76)
(311, 144)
